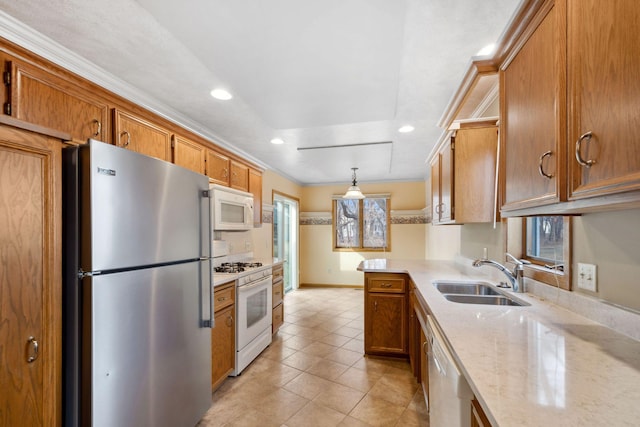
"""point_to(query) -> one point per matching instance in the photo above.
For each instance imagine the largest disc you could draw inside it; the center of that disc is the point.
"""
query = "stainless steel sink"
(475, 292)
(466, 288)
(483, 299)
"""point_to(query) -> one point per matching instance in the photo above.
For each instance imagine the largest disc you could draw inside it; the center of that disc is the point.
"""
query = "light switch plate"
(587, 277)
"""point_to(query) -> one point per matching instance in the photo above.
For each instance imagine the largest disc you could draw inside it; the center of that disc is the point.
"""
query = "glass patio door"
(285, 237)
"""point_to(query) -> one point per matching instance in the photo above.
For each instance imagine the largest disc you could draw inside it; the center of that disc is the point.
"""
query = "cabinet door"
(533, 117)
(435, 189)
(239, 176)
(137, 134)
(30, 248)
(255, 188)
(47, 100)
(218, 168)
(604, 95)
(475, 174)
(446, 183)
(223, 338)
(188, 154)
(386, 326)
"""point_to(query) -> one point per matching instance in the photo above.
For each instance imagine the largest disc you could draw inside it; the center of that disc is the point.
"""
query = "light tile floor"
(315, 373)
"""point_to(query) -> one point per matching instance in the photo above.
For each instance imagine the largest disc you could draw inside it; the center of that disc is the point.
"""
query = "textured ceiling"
(314, 73)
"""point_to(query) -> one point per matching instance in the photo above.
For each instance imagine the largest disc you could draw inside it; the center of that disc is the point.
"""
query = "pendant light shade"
(353, 192)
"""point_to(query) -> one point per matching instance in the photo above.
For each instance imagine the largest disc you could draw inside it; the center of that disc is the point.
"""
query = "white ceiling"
(314, 73)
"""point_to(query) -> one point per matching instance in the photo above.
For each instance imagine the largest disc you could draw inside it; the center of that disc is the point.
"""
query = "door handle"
(32, 349)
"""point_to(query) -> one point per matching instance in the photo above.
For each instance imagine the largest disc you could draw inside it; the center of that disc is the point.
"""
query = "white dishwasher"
(449, 393)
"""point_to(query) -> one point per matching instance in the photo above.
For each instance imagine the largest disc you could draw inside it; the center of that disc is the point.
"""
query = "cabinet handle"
(438, 208)
(229, 320)
(222, 298)
(540, 168)
(375, 306)
(225, 173)
(126, 144)
(278, 293)
(99, 127)
(385, 285)
(424, 348)
(581, 161)
(32, 349)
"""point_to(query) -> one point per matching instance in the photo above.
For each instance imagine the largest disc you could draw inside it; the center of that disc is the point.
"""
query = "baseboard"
(324, 285)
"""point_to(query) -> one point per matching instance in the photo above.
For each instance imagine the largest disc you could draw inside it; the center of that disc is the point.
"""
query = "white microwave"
(231, 209)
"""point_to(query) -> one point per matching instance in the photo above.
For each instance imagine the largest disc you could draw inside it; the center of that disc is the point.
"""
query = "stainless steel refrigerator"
(137, 290)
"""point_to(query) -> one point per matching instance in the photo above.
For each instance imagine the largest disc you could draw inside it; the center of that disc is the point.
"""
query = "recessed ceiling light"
(487, 50)
(221, 94)
(277, 141)
(406, 129)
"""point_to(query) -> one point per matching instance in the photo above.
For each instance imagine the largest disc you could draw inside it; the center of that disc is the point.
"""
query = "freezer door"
(137, 210)
(150, 357)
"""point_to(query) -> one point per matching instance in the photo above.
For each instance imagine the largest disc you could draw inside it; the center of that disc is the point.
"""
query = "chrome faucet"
(516, 277)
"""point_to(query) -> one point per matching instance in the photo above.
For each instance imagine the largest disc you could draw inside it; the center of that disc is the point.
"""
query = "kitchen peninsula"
(529, 365)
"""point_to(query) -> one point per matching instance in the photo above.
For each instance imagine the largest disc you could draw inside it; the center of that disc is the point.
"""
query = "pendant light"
(353, 192)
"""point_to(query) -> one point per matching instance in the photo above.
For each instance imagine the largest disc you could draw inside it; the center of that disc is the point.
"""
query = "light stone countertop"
(537, 365)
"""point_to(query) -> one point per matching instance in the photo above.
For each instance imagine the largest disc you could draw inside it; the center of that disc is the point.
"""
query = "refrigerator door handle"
(207, 245)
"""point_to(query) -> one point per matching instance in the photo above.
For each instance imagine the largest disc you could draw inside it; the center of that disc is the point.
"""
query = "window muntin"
(361, 224)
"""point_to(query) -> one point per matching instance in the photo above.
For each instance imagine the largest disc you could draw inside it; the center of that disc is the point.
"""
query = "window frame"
(360, 248)
(517, 246)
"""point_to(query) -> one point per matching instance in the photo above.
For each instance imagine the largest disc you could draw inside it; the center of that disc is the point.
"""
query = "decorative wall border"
(403, 217)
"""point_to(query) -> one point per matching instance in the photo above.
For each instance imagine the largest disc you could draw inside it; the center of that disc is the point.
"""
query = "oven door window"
(256, 307)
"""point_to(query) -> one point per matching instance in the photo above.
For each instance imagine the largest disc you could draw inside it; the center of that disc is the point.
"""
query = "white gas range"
(253, 302)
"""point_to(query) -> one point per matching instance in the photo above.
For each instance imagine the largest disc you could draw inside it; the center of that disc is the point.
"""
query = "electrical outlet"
(587, 277)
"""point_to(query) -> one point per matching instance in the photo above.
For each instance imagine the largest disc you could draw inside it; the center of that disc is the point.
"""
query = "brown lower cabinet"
(277, 292)
(386, 314)
(223, 334)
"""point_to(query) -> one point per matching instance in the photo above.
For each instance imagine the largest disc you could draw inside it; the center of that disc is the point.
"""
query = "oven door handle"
(253, 285)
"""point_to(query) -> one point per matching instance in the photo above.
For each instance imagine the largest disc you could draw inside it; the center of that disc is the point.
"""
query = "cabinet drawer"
(277, 318)
(224, 296)
(277, 293)
(277, 273)
(393, 284)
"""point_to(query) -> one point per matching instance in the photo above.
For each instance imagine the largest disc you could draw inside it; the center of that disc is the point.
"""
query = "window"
(361, 224)
(544, 241)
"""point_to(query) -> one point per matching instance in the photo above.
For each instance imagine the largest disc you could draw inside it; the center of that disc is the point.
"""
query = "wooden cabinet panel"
(222, 346)
(533, 118)
(140, 135)
(463, 176)
(604, 95)
(386, 324)
(277, 318)
(277, 292)
(218, 168)
(188, 154)
(223, 334)
(255, 188)
(41, 98)
(30, 291)
(386, 331)
(478, 417)
(239, 176)
(475, 173)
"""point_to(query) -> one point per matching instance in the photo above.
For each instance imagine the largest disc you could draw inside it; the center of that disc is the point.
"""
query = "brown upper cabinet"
(188, 154)
(569, 91)
(218, 167)
(140, 135)
(463, 175)
(604, 96)
(40, 97)
(533, 117)
(239, 176)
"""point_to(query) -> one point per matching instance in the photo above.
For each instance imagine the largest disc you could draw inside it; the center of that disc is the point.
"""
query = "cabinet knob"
(385, 285)
(584, 137)
(222, 298)
(32, 349)
(229, 320)
(375, 306)
(540, 167)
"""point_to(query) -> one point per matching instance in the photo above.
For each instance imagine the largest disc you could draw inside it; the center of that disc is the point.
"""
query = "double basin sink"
(475, 292)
